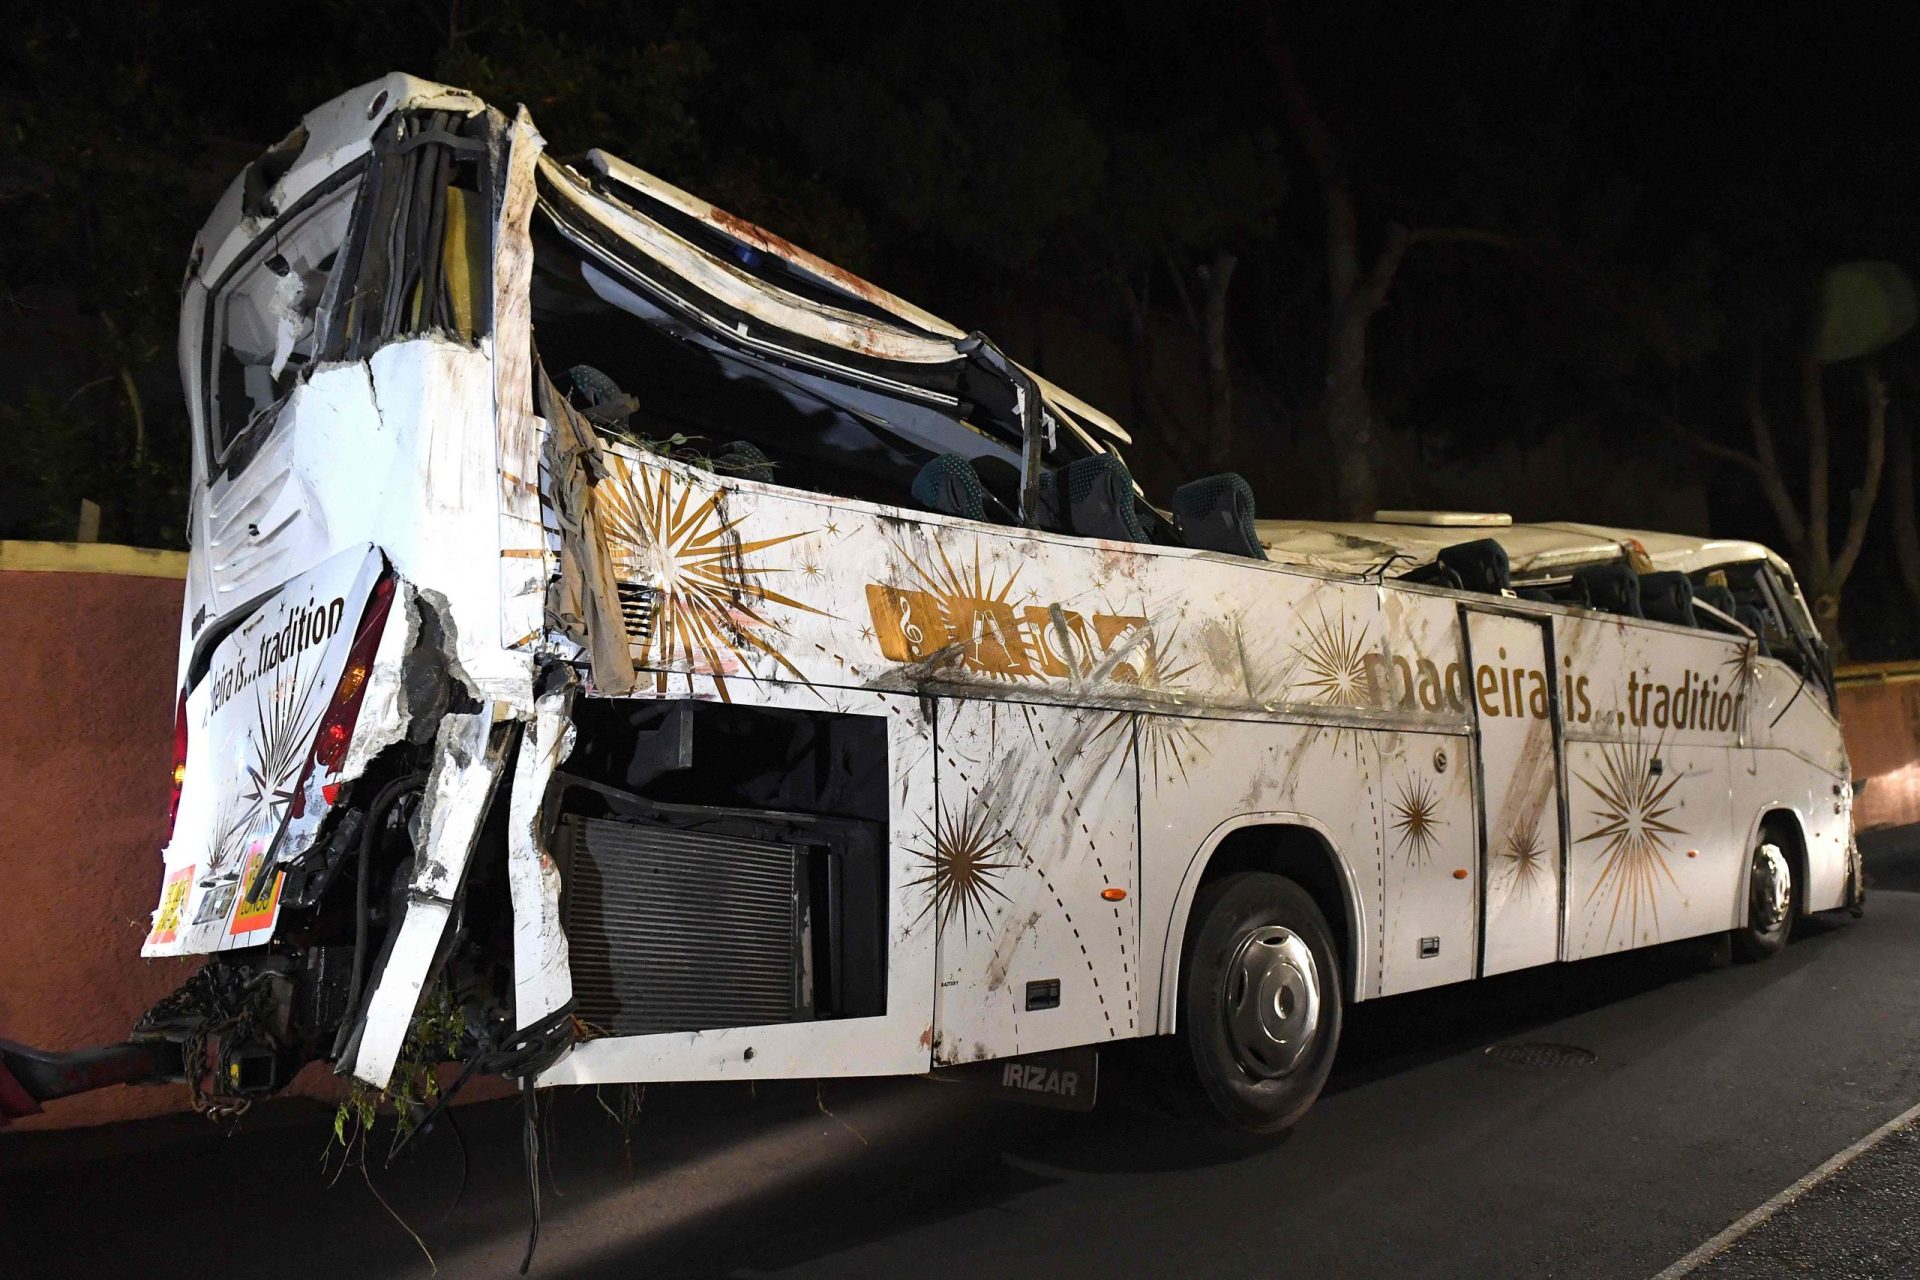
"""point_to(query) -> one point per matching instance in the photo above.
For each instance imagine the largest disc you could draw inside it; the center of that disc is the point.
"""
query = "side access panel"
(1037, 817)
(1430, 859)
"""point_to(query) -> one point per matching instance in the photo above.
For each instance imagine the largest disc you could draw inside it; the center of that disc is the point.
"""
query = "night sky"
(1666, 184)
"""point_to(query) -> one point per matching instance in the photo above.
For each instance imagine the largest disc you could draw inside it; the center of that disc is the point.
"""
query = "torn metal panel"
(332, 138)
(760, 238)
(542, 983)
(742, 291)
(470, 753)
(525, 560)
(583, 600)
(765, 241)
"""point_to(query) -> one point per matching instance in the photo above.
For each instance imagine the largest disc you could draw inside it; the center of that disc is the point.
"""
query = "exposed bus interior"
(682, 338)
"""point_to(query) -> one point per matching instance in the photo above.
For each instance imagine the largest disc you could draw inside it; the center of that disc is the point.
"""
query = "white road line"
(1706, 1252)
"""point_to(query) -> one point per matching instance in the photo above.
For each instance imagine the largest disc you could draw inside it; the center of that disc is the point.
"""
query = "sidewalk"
(1863, 1221)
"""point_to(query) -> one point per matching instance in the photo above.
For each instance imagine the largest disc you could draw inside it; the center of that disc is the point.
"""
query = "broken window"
(652, 358)
(394, 246)
(266, 314)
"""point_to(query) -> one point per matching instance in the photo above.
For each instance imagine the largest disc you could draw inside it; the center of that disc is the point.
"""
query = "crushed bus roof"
(1534, 550)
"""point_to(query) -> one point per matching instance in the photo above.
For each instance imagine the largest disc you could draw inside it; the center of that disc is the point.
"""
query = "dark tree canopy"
(1548, 257)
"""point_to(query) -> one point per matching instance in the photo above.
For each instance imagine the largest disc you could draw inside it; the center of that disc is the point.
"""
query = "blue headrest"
(1216, 514)
(1667, 597)
(1613, 587)
(1099, 499)
(949, 484)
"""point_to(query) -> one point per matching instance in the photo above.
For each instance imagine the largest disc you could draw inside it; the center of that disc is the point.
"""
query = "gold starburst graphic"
(277, 747)
(963, 860)
(710, 600)
(1334, 658)
(1416, 816)
(1741, 669)
(1523, 859)
(1633, 805)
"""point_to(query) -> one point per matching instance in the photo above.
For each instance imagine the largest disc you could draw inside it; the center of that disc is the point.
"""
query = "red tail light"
(179, 775)
(336, 727)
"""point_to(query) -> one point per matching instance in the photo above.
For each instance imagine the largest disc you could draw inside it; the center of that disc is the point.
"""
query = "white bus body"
(676, 766)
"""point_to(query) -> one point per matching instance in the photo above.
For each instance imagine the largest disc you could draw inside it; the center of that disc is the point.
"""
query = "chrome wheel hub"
(1272, 1001)
(1772, 890)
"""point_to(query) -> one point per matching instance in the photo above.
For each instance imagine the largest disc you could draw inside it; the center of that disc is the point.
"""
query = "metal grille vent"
(1541, 1056)
(636, 608)
(673, 930)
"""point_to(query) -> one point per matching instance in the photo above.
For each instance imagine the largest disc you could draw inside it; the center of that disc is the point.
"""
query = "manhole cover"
(1539, 1056)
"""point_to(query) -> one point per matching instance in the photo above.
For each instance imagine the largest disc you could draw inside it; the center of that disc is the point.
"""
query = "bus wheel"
(1260, 999)
(1770, 894)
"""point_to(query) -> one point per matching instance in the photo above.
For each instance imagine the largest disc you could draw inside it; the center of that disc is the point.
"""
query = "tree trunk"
(1218, 276)
(1347, 410)
(1906, 533)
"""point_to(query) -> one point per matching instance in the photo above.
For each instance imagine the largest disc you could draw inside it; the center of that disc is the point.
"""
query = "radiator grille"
(674, 930)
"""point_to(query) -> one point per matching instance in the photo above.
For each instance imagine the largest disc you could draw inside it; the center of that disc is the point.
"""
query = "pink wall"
(86, 732)
(1880, 713)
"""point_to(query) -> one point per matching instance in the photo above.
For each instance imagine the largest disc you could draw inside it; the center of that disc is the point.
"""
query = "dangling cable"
(530, 1152)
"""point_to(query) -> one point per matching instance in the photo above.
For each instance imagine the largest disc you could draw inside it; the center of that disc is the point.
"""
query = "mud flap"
(470, 754)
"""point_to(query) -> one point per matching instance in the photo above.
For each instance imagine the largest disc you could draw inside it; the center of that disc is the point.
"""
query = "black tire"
(1768, 926)
(1267, 1087)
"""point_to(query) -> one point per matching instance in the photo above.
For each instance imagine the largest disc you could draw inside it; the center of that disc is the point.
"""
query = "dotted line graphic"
(1119, 927)
(1066, 914)
(1379, 872)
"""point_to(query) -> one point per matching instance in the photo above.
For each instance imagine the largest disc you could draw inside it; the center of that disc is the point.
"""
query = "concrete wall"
(1880, 709)
(87, 645)
(88, 636)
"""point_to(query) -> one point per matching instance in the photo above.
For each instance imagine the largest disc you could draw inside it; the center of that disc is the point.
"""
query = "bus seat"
(1481, 565)
(745, 459)
(1612, 587)
(1667, 597)
(948, 484)
(603, 400)
(1755, 621)
(1539, 595)
(1216, 514)
(1716, 597)
(1099, 499)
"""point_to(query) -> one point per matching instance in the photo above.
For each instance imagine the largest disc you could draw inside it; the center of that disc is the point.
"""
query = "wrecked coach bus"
(693, 662)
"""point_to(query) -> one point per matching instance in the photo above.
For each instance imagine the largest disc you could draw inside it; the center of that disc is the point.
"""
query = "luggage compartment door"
(1516, 707)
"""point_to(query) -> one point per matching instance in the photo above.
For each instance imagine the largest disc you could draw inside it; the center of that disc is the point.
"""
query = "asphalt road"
(1710, 1091)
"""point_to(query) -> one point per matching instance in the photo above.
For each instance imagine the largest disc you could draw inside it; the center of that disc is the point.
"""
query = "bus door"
(1522, 829)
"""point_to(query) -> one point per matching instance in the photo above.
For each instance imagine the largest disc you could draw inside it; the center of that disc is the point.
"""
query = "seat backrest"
(1718, 597)
(745, 459)
(1216, 514)
(1098, 496)
(1614, 588)
(1481, 565)
(948, 484)
(1755, 621)
(1667, 597)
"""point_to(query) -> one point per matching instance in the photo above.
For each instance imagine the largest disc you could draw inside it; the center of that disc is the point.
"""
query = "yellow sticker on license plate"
(256, 909)
(173, 904)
